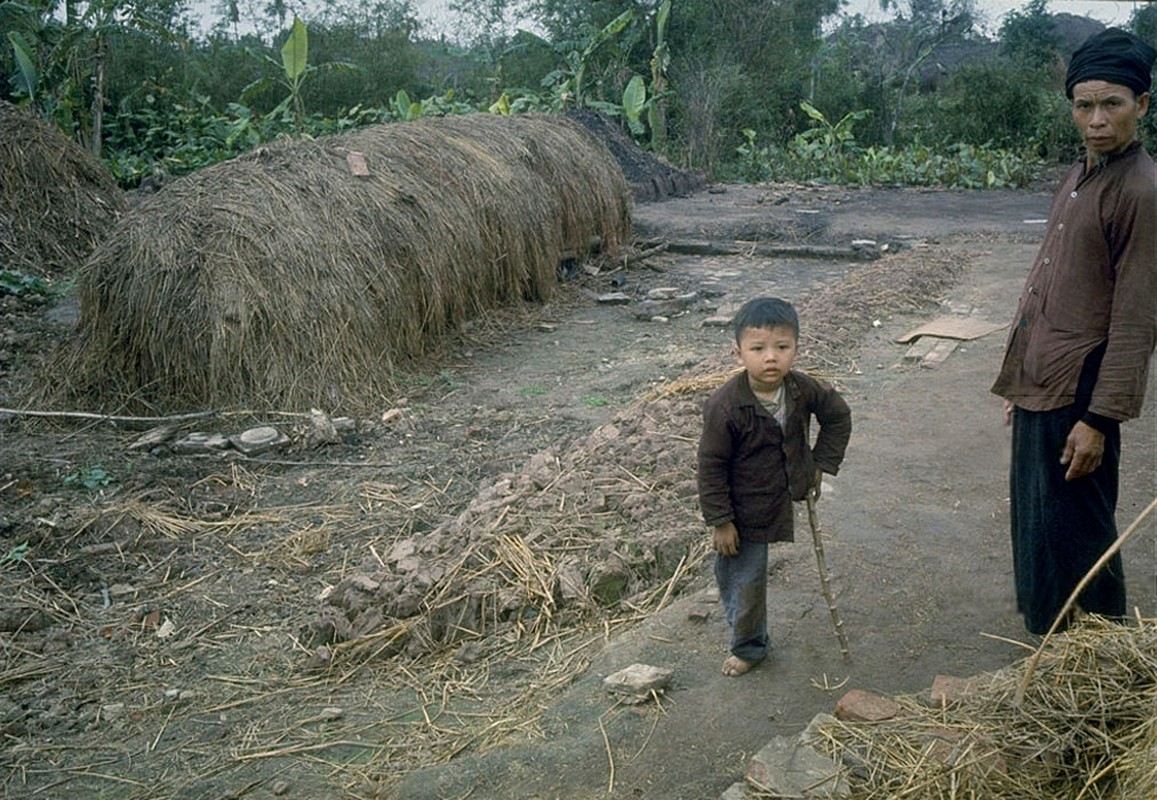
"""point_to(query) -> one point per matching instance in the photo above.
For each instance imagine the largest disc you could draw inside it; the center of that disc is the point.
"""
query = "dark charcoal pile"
(650, 176)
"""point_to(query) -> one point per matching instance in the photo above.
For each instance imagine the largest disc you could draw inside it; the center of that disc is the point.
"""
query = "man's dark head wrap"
(1113, 56)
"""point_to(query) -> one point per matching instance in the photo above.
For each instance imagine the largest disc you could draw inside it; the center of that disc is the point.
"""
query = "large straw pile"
(1087, 728)
(282, 278)
(56, 201)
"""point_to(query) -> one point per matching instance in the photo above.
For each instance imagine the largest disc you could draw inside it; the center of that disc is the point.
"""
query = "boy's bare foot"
(734, 666)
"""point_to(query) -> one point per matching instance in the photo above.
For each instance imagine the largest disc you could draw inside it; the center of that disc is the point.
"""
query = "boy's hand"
(725, 539)
(817, 484)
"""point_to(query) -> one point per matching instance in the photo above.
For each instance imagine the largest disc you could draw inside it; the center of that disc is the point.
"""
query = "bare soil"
(203, 626)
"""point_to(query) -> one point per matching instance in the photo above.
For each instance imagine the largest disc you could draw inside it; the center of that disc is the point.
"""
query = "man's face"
(1106, 114)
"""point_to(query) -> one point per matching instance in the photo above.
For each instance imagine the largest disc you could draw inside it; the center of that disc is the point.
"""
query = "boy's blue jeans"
(742, 581)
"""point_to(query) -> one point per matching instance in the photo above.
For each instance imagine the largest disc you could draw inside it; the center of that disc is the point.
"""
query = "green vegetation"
(15, 555)
(18, 283)
(91, 477)
(787, 90)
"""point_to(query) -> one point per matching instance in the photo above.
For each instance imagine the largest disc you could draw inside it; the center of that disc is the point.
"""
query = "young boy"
(755, 459)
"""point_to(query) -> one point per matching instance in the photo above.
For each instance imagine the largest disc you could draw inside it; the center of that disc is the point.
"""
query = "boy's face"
(767, 354)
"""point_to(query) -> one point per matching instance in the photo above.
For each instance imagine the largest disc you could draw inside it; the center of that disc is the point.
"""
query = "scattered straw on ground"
(513, 594)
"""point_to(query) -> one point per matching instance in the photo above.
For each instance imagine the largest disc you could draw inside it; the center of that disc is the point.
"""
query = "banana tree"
(295, 73)
(568, 85)
(609, 32)
(61, 60)
(660, 61)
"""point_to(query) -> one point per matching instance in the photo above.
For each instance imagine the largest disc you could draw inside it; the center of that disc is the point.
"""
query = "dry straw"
(283, 279)
(56, 200)
(1085, 730)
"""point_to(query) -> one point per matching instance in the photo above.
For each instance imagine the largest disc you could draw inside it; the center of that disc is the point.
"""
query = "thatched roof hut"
(302, 273)
(57, 201)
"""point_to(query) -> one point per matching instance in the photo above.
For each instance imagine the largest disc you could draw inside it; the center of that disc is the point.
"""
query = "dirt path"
(97, 705)
(917, 525)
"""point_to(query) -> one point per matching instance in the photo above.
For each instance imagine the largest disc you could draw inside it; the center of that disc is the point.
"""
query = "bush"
(994, 103)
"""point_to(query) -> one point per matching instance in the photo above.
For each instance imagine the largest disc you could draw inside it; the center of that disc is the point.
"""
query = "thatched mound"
(56, 201)
(1086, 728)
(284, 278)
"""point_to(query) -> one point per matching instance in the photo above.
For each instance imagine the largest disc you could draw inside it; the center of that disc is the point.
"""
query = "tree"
(1143, 22)
(63, 62)
(738, 64)
(1029, 36)
(889, 56)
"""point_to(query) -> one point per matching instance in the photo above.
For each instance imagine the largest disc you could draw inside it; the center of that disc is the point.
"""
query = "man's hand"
(817, 486)
(1007, 412)
(1083, 450)
(725, 539)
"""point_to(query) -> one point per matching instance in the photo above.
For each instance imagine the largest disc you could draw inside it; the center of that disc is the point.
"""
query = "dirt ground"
(161, 635)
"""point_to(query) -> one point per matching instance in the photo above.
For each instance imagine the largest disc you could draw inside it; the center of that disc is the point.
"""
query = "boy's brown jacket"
(742, 475)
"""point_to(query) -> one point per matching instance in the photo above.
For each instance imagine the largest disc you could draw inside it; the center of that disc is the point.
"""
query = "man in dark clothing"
(1077, 360)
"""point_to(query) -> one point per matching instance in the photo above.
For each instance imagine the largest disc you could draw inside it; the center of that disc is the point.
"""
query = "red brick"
(947, 689)
(860, 706)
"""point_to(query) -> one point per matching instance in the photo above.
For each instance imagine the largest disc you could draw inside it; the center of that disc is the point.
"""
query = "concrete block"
(259, 440)
(786, 768)
(638, 680)
(939, 353)
(736, 791)
(920, 348)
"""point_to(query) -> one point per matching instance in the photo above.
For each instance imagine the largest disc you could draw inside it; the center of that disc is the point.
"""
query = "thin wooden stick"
(825, 581)
(1084, 582)
(610, 755)
(21, 412)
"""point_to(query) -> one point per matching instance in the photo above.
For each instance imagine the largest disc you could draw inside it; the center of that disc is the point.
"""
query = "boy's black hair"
(766, 312)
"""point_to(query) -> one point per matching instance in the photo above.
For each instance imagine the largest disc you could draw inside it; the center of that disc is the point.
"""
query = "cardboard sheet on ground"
(953, 327)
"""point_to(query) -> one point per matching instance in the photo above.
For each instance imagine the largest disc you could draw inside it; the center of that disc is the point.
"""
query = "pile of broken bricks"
(796, 767)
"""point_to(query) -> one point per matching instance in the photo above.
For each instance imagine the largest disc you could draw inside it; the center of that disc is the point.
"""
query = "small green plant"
(446, 380)
(754, 161)
(532, 391)
(91, 477)
(15, 555)
(405, 109)
(17, 283)
(596, 401)
(826, 141)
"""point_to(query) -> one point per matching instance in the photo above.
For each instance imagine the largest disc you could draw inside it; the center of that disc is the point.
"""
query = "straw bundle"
(56, 200)
(1087, 729)
(284, 278)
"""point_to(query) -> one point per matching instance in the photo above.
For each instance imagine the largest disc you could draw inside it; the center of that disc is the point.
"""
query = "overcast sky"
(437, 19)
(1110, 12)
